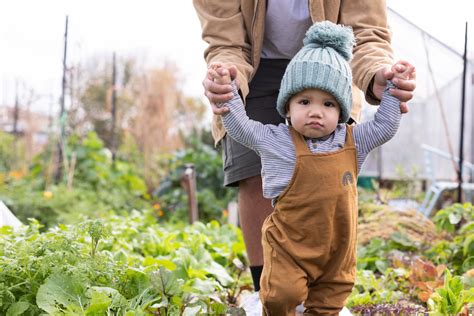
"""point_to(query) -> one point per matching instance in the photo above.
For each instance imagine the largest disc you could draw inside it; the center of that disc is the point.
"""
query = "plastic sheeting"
(403, 156)
(7, 218)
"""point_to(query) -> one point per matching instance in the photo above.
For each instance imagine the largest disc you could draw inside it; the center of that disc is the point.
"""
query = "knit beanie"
(322, 63)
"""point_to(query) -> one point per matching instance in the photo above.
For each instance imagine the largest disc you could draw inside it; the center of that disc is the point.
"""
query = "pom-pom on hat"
(322, 63)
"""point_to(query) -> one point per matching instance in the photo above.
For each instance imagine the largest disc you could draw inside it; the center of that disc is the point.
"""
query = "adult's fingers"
(216, 92)
(218, 98)
(219, 110)
(402, 95)
(403, 84)
(404, 108)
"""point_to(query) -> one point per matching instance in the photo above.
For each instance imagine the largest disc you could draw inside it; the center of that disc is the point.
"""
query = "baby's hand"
(403, 70)
(220, 73)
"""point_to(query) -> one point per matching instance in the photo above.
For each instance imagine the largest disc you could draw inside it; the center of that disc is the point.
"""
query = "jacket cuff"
(243, 86)
(370, 96)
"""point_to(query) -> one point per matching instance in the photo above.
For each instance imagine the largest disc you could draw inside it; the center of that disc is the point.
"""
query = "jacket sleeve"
(373, 51)
(224, 30)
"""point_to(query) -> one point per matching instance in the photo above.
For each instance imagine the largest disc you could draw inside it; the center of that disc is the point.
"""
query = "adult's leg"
(253, 209)
(242, 166)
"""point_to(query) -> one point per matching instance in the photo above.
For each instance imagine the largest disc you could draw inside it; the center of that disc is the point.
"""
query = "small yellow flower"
(156, 206)
(161, 213)
(47, 195)
(225, 213)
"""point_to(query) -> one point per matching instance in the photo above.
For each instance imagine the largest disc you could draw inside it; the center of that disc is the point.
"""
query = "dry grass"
(383, 221)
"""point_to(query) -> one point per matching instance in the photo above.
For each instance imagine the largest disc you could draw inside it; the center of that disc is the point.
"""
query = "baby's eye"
(304, 101)
(329, 104)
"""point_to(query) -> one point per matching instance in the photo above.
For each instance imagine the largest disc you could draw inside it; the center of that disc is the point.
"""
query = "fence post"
(188, 181)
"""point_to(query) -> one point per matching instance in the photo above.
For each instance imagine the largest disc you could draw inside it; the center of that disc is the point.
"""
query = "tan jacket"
(234, 31)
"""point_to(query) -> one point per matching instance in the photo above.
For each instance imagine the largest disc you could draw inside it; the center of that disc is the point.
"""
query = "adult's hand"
(406, 87)
(215, 92)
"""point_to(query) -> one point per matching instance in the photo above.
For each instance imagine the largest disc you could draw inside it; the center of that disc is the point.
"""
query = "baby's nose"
(315, 111)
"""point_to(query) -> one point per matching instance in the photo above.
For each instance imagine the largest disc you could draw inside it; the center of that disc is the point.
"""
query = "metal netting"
(438, 94)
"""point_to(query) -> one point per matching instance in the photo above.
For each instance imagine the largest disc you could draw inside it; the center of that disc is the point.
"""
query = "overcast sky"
(31, 36)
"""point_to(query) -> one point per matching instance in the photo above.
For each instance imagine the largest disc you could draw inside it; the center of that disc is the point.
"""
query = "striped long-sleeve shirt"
(275, 147)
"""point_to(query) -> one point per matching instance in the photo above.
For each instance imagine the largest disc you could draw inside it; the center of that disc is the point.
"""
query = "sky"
(31, 37)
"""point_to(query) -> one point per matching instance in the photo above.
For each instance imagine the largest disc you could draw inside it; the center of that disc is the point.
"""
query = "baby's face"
(314, 113)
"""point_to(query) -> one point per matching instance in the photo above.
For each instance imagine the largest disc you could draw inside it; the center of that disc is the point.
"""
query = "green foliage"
(402, 242)
(370, 289)
(95, 169)
(395, 267)
(373, 256)
(457, 253)
(457, 249)
(450, 218)
(211, 195)
(121, 266)
(452, 297)
(97, 231)
(7, 152)
(98, 186)
(62, 293)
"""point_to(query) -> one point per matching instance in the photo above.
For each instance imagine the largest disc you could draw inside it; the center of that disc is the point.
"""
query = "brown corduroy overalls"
(309, 241)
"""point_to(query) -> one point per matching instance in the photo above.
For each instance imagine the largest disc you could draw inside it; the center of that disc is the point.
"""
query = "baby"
(309, 170)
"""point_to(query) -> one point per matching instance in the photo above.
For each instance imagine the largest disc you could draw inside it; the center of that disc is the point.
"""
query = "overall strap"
(301, 148)
(349, 137)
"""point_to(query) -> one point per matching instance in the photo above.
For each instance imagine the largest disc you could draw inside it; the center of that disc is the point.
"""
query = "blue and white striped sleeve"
(240, 127)
(381, 129)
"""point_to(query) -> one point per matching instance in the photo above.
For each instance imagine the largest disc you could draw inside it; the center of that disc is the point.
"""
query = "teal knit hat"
(322, 63)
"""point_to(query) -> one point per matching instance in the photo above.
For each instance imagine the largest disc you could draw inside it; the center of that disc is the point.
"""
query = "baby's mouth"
(315, 124)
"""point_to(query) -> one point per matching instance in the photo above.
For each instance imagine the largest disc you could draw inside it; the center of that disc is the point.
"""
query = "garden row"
(132, 265)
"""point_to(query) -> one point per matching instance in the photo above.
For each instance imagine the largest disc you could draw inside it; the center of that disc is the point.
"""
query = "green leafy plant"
(452, 298)
(212, 197)
(373, 256)
(98, 186)
(450, 218)
(372, 289)
(123, 265)
(8, 152)
(457, 248)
